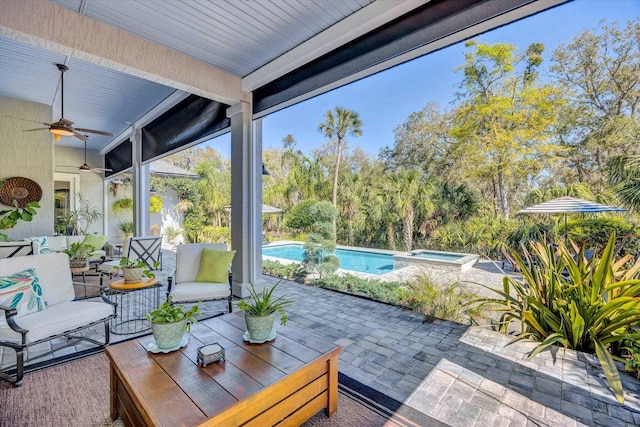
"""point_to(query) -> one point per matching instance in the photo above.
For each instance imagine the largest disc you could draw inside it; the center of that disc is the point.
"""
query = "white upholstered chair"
(183, 286)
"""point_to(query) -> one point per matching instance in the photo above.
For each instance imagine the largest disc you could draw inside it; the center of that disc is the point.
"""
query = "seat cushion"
(23, 292)
(57, 243)
(214, 265)
(56, 319)
(199, 291)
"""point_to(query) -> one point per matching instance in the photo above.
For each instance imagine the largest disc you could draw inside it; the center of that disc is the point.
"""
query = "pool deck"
(460, 375)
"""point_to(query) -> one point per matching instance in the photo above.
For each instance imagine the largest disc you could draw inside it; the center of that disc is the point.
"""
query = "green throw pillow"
(214, 265)
(96, 241)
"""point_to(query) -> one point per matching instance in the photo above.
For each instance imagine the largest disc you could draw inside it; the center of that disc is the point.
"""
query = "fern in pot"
(259, 314)
(169, 322)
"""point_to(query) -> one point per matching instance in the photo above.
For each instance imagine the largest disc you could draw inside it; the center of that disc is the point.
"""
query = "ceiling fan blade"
(79, 135)
(27, 120)
(99, 132)
(102, 169)
(64, 122)
(33, 130)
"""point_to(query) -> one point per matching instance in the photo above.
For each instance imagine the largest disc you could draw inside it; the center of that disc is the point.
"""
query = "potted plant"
(78, 254)
(169, 323)
(259, 314)
(133, 270)
(155, 230)
(81, 218)
(127, 228)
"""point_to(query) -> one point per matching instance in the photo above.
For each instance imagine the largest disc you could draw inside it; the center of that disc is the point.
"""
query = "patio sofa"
(37, 305)
(46, 244)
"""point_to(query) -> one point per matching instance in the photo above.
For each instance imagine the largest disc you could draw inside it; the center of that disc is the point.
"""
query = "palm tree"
(624, 175)
(336, 126)
(411, 195)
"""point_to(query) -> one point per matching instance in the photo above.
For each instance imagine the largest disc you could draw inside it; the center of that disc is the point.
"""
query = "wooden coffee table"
(284, 382)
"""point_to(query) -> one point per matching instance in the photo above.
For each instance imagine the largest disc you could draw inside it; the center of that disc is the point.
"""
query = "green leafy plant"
(78, 250)
(12, 216)
(138, 263)
(122, 205)
(265, 304)
(633, 361)
(276, 268)
(450, 302)
(566, 299)
(171, 313)
(81, 218)
(126, 226)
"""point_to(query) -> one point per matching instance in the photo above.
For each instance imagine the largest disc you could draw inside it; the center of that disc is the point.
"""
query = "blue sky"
(386, 99)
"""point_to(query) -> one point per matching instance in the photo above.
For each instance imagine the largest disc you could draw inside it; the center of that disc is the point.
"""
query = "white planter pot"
(132, 275)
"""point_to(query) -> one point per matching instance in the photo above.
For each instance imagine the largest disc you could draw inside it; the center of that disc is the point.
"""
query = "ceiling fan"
(63, 127)
(85, 166)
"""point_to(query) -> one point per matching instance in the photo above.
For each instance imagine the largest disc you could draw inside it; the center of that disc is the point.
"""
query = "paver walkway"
(460, 375)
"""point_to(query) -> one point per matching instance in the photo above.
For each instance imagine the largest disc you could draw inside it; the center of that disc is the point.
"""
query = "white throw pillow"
(23, 292)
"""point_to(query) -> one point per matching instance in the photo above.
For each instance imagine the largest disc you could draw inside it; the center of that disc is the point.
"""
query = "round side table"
(134, 301)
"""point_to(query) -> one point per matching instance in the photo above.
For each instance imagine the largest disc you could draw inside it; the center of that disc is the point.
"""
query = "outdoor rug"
(76, 393)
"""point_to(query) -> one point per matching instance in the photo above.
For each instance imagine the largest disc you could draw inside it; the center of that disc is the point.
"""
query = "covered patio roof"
(132, 61)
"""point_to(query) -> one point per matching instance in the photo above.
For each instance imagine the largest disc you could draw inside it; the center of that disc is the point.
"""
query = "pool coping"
(465, 262)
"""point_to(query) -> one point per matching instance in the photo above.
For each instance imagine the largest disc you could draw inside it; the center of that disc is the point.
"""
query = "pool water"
(362, 261)
(440, 256)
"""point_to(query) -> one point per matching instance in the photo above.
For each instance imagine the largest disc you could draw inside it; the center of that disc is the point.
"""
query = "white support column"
(246, 201)
(141, 214)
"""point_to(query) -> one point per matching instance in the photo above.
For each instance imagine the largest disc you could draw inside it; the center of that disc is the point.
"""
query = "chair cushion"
(57, 243)
(199, 291)
(214, 265)
(57, 319)
(42, 242)
(188, 259)
(96, 241)
(23, 292)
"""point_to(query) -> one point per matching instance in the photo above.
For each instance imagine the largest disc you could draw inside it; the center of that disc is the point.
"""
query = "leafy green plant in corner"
(138, 263)
(566, 299)
(171, 313)
(265, 304)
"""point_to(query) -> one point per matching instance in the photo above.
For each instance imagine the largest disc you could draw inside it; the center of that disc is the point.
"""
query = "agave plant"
(566, 299)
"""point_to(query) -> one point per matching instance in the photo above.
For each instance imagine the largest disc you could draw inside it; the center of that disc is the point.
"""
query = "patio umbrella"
(565, 205)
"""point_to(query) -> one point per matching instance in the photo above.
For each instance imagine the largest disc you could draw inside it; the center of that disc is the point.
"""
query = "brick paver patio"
(460, 375)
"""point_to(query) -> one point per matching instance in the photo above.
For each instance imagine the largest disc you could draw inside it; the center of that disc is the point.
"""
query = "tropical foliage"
(566, 299)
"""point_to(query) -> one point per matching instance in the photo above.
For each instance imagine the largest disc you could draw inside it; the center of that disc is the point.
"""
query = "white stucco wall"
(29, 155)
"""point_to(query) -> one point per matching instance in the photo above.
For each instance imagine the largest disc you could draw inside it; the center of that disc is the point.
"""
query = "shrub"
(632, 349)
(299, 216)
(565, 299)
(276, 268)
(155, 204)
(594, 232)
(123, 205)
(444, 302)
(378, 290)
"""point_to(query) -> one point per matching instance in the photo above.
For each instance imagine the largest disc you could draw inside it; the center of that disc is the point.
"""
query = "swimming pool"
(355, 260)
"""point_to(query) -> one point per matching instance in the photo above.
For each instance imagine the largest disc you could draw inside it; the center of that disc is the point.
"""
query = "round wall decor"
(22, 190)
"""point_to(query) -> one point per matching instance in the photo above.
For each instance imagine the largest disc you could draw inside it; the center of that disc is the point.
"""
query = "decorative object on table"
(133, 270)
(170, 322)
(21, 190)
(78, 254)
(210, 353)
(259, 314)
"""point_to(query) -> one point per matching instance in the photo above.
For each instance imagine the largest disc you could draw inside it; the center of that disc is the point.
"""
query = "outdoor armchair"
(148, 249)
(183, 286)
(13, 249)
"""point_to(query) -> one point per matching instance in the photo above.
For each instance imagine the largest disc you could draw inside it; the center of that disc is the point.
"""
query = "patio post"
(246, 201)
